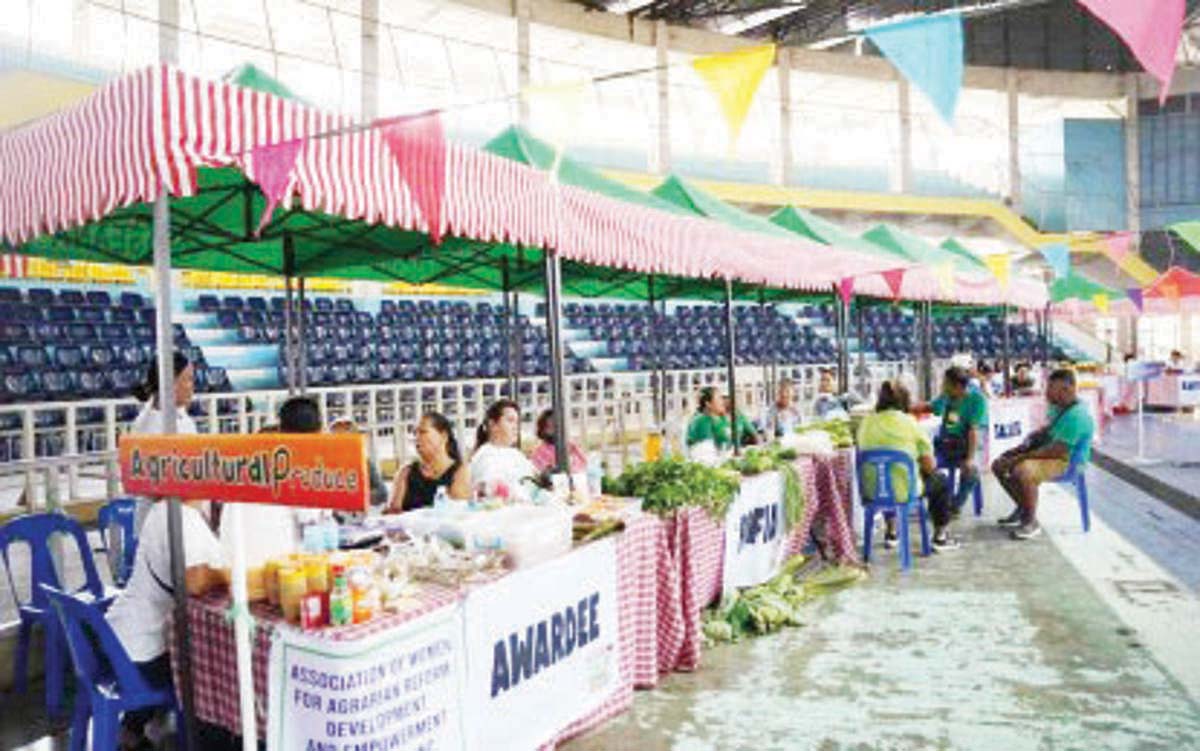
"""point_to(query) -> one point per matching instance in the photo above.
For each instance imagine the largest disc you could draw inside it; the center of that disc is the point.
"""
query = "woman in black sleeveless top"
(439, 465)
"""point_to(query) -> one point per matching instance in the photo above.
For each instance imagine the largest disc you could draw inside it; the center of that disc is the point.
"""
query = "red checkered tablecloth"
(639, 549)
(689, 579)
(828, 485)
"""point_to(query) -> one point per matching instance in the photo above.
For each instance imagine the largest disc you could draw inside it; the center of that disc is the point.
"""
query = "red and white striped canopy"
(157, 127)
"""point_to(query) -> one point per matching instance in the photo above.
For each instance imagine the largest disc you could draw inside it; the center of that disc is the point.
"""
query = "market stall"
(1174, 391)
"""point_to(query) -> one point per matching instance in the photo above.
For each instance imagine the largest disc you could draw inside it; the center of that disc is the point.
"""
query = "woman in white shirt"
(150, 419)
(139, 614)
(497, 460)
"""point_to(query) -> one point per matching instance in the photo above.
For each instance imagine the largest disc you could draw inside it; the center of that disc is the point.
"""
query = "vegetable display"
(840, 431)
(755, 461)
(775, 604)
(669, 484)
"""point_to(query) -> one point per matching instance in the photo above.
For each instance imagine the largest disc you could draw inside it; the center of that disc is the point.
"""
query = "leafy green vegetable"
(669, 484)
(775, 459)
(840, 431)
(775, 604)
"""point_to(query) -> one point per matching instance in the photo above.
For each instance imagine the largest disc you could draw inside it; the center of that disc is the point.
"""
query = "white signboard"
(754, 532)
(399, 689)
(541, 649)
(1010, 421)
(1189, 390)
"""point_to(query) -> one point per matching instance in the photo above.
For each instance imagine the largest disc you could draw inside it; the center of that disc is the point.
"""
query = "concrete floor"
(1000, 645)
(1173, 440)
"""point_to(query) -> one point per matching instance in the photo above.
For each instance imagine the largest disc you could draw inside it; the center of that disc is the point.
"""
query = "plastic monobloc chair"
(36, 530)
(883, 500)
(1075, 477)
(117, 521)
(109, 681)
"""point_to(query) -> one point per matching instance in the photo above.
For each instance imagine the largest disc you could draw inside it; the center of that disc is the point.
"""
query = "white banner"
(1010, 421)
(1189, 390)
(754, 532)
(399, 690)
(541, 649)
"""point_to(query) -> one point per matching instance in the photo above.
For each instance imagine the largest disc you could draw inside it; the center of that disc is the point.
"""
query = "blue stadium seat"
(71, 297)
(232, 302)
(323, 304)
(58, 385)
(208, 303)
(344, 305)
(101, 355)
(98, 297)
(122, 315)
(256, 303)
(41, 296)
(132, 300)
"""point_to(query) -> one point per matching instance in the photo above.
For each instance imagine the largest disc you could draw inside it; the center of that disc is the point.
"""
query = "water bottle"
(441, 500)
(595, 477)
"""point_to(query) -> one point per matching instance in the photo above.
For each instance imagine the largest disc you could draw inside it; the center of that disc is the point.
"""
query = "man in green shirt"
(964, 416)
(1046, 454)
(712, 423)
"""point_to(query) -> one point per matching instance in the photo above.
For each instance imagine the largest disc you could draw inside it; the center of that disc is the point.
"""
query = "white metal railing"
(607, 412)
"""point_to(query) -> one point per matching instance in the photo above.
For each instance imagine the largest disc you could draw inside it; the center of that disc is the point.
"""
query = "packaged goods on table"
(527, 534)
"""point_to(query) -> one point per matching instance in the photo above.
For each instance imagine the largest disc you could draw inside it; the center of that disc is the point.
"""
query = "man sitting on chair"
(1046, 454)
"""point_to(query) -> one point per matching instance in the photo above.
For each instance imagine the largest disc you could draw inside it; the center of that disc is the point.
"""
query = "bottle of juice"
(341, 601)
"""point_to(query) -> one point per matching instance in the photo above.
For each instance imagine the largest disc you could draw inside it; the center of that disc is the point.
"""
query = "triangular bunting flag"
(894, 279)
(1170, 291)
(846, 289)
(1189, 231)
(928, 51)
(1058, 256)
(1000, 264)
(1100, 300)
(734, 77)
(944, 273)
(273, 167)
(418, 146)
(1117, 246)
(1136, 297)
(557, 111)
(1151, 29)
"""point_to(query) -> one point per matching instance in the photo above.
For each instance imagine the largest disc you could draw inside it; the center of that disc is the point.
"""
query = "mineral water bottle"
(441, 500)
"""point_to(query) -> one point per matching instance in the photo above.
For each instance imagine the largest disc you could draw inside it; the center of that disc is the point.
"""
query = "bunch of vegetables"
(757, 460)
(669, 484)
(775, 604)
(840, 431)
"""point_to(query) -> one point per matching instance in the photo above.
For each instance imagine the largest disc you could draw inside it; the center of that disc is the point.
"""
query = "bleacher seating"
(65, 344)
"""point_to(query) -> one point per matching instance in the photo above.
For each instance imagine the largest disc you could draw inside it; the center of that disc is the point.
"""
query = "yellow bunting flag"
(944, 273)
(1000, 264)
(556, 110)
(734, 77)
(1100, 300)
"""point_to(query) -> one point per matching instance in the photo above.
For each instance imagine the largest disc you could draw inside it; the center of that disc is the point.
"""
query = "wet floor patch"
(1000, 645)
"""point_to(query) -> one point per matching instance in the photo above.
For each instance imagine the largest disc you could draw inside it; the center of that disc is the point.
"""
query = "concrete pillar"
(521, 9)
(782, 168)
(168, 31)
(1012, 83)
(902, 174)
(369, 77)
(1133, 218)
(660, 144)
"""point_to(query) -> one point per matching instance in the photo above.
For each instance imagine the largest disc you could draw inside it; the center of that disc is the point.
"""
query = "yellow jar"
(293, 585)
(653, 448)
(317, 573)
(271, 580)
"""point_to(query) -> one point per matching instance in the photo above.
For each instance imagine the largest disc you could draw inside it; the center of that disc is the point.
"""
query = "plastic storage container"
(529, 534)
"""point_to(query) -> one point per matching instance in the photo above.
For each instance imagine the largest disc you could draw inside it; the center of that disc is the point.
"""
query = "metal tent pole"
(730, 363)
(925, 336)
(1007, 363)
(862, 350)
(166, 404)
(509, 329)
(843, 345)
(656, 379)
(301, 343)
(289, 335)
(553, 274)
(768, 360)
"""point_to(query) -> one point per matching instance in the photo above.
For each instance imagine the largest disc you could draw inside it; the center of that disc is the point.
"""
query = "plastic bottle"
(441, 499)
(341, 600)
(595, 477)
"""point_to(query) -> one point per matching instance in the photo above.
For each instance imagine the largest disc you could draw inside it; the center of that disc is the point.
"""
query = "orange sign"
(313, 471)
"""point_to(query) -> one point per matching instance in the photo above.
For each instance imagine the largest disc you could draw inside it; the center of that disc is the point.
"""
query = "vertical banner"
(400, 689)
(754, 532)
(541, 649)
(1010, 421)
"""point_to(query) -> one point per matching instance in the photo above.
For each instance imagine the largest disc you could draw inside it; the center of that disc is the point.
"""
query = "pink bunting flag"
(418, 146)
(1136, 297)
(1116, 246)
(846, 289)
(894, 279)
(273, 167)
(1152, 30)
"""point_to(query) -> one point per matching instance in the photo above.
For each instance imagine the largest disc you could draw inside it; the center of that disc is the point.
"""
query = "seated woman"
(496, 458)
(711, 423)
(828, 405)
(439, 465)
(891, 427)
(783, 415)
(543, 457)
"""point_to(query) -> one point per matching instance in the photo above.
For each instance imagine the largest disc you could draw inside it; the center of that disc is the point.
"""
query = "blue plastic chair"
(952, 478)
(884, 500)
(117, 519)
(36, 530)
(109, 681)
(1075, 476)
